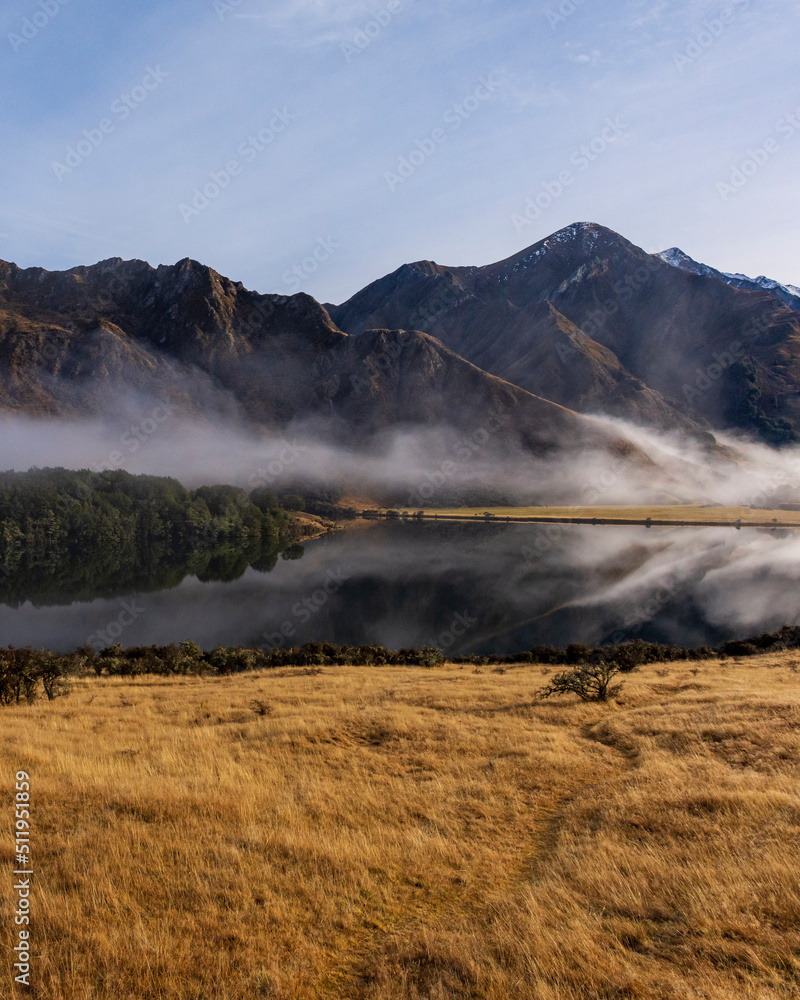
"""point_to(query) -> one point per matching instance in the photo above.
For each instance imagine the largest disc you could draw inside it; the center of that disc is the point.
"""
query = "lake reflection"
(467, 588)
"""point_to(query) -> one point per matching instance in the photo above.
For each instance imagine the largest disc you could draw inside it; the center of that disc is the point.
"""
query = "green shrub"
(22, 670)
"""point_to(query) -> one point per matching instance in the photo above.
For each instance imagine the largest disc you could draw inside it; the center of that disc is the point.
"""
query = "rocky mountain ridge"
(82, 342)
(589, 320)
(788, 294)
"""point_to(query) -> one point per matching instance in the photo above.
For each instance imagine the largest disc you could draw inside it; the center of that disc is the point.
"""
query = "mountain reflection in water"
(467, 588)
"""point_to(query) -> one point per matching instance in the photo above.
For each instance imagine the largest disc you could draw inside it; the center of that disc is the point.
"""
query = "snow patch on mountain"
(788, 294)
(767, 283)
(586, 234)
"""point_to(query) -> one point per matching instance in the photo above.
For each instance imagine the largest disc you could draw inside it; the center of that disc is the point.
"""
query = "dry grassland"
(409, 833)
(672, 512)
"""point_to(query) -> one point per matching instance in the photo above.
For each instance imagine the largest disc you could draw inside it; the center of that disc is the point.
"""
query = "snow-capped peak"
(788, 294)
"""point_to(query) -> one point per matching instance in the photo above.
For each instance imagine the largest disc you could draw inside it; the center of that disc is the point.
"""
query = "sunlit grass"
(678, 513)
(410, 833)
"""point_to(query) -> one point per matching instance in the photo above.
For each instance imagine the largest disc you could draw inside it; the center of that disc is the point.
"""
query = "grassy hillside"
(406, 833)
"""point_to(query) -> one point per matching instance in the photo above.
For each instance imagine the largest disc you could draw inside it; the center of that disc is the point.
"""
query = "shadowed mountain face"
(788, 294)
(588, 320)
(71, 341)
(80, 342)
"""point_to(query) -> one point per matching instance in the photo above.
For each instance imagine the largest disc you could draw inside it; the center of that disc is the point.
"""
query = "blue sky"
(315, 146)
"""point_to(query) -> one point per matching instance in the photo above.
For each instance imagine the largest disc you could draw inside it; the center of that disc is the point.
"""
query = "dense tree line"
(52, 512)
(86, 533)
(25, 672)
(316, 498)
(637, 652)
(22, 671)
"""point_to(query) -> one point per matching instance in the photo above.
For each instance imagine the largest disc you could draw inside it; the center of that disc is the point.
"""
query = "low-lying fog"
(412, 468)
(513, 586)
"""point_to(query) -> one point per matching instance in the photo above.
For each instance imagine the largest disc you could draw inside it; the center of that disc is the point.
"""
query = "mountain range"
(99, 340)
(590, 321)
(579, 324)
(788, 294)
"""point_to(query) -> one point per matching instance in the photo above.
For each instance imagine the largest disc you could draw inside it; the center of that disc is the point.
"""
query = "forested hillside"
(59, 526)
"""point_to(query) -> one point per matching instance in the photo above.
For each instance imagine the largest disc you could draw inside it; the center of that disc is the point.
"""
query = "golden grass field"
(411, 833)
(667, 512)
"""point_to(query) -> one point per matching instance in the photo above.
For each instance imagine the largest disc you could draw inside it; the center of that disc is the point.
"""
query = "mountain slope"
(85, 341)
(588, 319)
(788, 294)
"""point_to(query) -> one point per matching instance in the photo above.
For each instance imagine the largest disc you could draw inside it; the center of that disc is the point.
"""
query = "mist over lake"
(466, 588)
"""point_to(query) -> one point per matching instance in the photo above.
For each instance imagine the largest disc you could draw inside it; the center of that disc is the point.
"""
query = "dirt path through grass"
(412, 834)
(509, 861)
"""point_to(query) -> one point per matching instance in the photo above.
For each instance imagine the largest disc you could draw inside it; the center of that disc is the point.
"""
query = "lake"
(466, 588)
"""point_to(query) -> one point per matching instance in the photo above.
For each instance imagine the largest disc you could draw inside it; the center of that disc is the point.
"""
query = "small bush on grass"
(589, 681)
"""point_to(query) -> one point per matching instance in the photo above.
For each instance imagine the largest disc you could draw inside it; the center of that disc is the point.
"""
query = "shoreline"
(608, 516)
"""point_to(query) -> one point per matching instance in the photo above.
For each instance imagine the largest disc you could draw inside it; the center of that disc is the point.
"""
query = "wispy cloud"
(354, 116)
